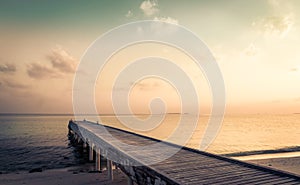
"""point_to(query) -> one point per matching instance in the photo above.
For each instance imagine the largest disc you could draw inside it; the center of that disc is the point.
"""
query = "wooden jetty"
(186, 166)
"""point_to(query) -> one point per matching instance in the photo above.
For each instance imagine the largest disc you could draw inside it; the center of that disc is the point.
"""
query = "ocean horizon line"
(71, 114)
(111, 114)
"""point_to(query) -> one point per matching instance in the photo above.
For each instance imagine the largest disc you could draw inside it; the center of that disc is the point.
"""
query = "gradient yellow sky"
(256, 45)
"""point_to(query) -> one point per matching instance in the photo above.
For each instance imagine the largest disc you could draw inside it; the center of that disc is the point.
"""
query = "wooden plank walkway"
(187, 166)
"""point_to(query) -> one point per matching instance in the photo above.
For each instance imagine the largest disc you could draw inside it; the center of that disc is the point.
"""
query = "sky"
(255, 43)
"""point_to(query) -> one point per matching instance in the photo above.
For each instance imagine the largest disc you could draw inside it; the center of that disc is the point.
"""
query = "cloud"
(39, 71)
(251, 50)
(10, 83)
(277, 25)
(282, 6)
(14, 84)
(281, 20)
(149, 7)
(7, 68)
(62, 61)
(161, 27)
(143, 86)
(146, 86)
(59, 63)
(295, 69)
(129, 14)
(166, 19)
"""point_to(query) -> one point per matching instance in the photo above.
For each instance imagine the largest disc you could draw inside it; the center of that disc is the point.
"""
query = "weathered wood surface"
(187, 166)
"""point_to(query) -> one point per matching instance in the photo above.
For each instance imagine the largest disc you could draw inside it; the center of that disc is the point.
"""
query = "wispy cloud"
(142, 86)
(62, 61)
(58, 64)
(146, 86)
(11, 83)
(277, 25)
(280, 22)
(295, 69)
(251, 50)
(7, 68)
(149, 7)
(39, 71)
(167, 19)
(14, 84)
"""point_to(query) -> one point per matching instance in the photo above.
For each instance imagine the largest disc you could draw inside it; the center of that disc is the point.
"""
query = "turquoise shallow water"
(40, 141)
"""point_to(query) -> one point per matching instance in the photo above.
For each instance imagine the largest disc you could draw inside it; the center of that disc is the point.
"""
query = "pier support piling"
(109, 170)
(75, 137)
(91, 152)
(84, 144)
(98, 160)
(129, 180)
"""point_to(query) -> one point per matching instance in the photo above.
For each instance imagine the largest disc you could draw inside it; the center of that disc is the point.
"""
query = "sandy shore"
(62, 176)
(289, 164)
(287, 161)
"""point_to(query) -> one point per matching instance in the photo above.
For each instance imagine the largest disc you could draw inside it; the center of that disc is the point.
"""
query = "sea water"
(41, 141)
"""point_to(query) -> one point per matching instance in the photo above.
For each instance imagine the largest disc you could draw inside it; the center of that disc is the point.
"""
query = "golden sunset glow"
(256, 45)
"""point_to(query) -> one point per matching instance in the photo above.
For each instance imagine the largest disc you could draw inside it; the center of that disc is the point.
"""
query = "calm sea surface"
(39, 141)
